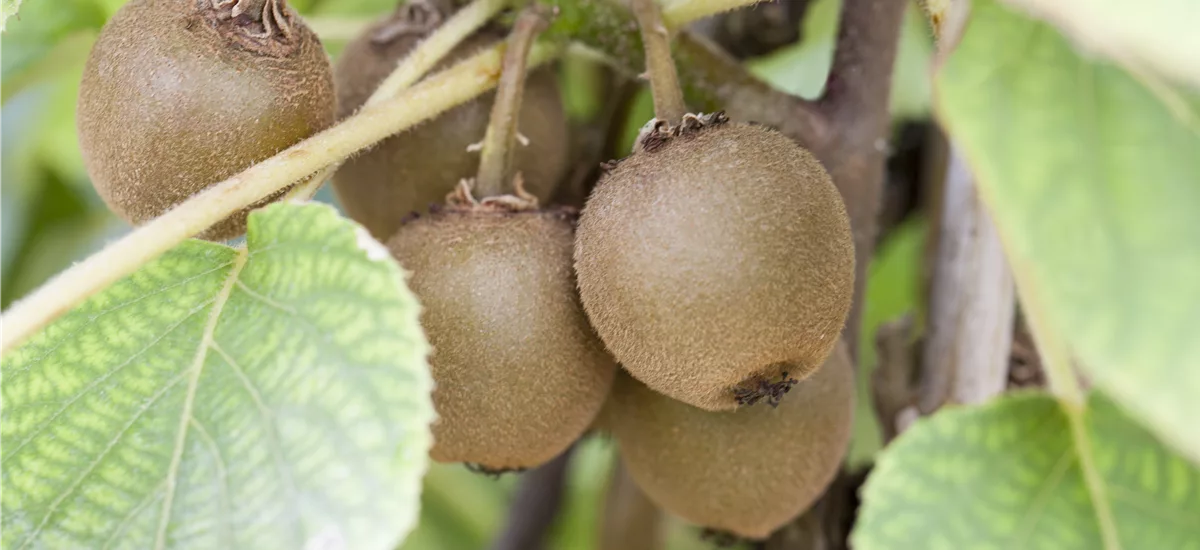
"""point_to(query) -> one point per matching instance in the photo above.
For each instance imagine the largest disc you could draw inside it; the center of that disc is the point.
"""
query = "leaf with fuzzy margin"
(272, 396)
(1093, 178)
(1010, 474)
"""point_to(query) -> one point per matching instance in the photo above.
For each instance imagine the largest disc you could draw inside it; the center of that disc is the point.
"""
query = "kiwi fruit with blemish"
(178, 95)
(745, 472)
(410, 171)
(716, 262)
(520, 375)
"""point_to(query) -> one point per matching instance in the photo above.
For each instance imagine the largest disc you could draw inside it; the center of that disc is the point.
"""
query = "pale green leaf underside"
(8, 9)
(1094, 181)
(1007, 476)
(1160, 34)
(303, 420)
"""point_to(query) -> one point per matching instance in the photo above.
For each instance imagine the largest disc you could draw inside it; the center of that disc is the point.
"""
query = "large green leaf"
(273, 396)
(1160, 34)
(1094, 180)
(1010, 474)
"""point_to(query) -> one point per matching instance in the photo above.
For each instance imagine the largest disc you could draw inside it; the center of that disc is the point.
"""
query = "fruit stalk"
(680, 13)
(660, 67)
(424, 57)
(430, 51)
(455, 86)
(496, 163)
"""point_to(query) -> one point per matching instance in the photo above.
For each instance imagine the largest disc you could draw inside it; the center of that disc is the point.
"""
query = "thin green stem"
(680, 13)
(433, 49)
(457, 85)
(660, 66)
(423, 58)
(496, 162)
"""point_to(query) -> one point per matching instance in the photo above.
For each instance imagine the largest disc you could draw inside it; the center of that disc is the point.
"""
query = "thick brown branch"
(856, 104)
(970, 327)
(535, 506)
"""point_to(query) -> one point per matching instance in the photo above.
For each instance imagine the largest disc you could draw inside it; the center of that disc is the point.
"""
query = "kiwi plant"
(715, 262)
(744, 472)
(180, 94)
(413, 170)
(519, 373)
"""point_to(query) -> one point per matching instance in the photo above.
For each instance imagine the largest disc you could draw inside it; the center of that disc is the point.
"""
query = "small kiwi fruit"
(745, 472)
(716, 262)
(180, 94)
(520, 375)
(410, 171)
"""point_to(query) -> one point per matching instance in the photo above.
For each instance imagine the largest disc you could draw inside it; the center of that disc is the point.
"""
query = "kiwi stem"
(457, 85)
(433, 49)
(660, 66)
(680, 13)
(423, 57)
(496, 164)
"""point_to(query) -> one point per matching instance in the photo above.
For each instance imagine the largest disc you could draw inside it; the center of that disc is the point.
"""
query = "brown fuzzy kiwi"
(716, 263)
(745, 472)
(181, 94)
(410, 171)
(520, 375)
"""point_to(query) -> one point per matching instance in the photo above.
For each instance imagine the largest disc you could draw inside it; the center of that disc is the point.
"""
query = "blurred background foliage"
(51, 217)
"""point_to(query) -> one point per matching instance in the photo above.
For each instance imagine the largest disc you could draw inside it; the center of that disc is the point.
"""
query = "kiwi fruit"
(745, 472)
(519, 373)
(410, 171)
(716, 262)
(178, 95)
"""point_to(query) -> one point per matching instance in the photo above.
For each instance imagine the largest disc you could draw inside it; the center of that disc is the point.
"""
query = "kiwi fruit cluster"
(178, 95)
(715, 263)
(413, 170)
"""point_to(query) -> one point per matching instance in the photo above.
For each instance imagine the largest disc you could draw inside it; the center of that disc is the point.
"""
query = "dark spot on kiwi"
(494, 473)
(758, 388)
(179, 95)
(717, 254)
(419, 167)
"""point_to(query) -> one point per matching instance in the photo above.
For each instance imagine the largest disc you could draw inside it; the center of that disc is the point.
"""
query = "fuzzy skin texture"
(172, 103)
(721, 257)
(520, 375)
(747, 472)
(412, 170)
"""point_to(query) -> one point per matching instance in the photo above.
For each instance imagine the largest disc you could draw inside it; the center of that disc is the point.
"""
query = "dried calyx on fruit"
(715, 262)
(744, 472)
(178, 95)
(520, 375)
(410, 171)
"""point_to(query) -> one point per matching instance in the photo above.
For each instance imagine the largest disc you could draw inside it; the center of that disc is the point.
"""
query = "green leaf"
(8, 9)
(43, 25)
(1010, 474)
(1093, 178)
(273, 396)
(1160, 34)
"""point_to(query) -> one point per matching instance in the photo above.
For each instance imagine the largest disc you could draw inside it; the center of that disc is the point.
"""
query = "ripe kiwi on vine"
(715, 262)
(410, 171)
(745, 472)
(519, 373)
(178, 95)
